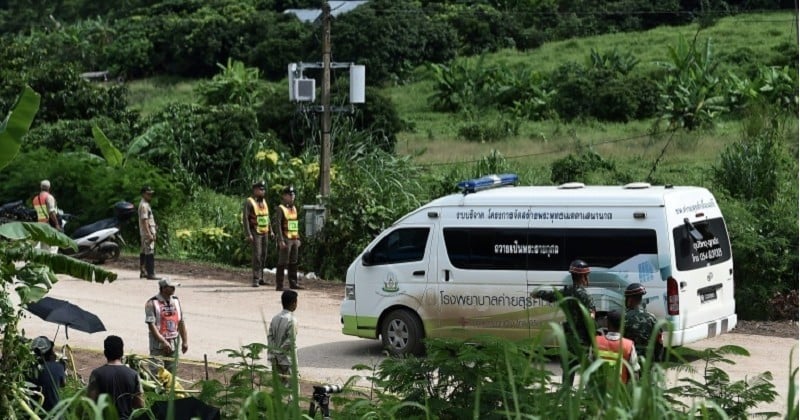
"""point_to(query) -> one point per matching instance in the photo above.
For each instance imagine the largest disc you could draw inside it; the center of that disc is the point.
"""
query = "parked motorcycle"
(100, 241)
(16, 211)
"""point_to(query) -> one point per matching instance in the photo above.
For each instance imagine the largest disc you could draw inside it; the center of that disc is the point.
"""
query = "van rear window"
(544, 249)
(701, 244)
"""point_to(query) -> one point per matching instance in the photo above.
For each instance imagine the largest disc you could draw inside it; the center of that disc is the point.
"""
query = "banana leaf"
(16, 125)
(112, 155)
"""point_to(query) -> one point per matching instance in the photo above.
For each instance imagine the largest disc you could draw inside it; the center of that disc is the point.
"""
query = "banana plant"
(26, 270)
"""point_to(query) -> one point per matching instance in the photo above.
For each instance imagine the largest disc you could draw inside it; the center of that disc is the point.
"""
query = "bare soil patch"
(195, 269)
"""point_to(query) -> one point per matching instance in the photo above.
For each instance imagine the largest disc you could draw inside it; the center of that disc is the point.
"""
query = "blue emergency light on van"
(486, 182)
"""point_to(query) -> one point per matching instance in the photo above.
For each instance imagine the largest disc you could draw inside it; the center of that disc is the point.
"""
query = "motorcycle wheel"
(114, 255)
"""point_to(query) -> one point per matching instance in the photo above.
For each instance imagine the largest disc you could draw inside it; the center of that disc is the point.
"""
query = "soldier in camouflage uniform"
(579, 336)
(639, 324)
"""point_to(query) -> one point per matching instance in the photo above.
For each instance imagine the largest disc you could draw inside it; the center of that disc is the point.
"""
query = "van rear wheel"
(401, 333)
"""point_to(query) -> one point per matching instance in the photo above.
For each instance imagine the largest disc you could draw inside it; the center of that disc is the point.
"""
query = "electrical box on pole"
(357, 84)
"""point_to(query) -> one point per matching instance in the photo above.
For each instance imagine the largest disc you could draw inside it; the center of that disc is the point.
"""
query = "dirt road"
(227, 313)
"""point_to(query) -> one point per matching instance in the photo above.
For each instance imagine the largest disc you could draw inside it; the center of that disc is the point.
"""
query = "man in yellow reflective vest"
(287, 228)
(255, 219)
(45, 205)
(46, 211)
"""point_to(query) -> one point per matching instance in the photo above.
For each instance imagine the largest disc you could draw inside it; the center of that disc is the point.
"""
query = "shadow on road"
(345, 354)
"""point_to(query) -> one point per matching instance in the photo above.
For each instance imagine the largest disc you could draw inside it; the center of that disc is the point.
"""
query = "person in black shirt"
(120, 382)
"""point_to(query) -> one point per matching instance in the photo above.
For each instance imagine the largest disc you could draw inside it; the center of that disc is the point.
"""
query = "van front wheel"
(401, 333)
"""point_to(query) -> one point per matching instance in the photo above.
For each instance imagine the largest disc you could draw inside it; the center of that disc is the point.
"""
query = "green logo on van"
(391, 285)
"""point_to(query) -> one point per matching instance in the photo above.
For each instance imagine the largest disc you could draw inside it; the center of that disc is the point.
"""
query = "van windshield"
(701, 244)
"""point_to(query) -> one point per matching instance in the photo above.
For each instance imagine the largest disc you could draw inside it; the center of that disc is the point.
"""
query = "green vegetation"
(704, 94)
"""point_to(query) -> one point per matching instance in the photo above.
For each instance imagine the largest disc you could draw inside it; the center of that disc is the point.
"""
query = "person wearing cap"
(640, 324)
(165, 324)
(119, 381)
(255, 219)
(614, 348)
(45, 205)
(49, 375)
(46, 212)
(287, 230)
(281, 345)
(147, 235)
(575, 327)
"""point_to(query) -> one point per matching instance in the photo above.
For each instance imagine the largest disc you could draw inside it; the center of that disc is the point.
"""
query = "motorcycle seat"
(10, 206)
(86, 230)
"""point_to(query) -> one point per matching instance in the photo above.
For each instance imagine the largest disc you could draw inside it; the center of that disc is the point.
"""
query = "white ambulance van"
(466, 264)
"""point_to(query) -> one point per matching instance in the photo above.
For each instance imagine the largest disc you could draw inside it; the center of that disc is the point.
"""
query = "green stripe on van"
(366, 328)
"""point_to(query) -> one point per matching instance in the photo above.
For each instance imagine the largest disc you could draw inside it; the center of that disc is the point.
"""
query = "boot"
(279, 277)
(150, 266)
(293, 278)
(142, 269)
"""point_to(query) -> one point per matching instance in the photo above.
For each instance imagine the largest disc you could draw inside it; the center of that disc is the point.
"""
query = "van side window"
(545, 249)
(713, 248)
(402, 245)
(487, 248)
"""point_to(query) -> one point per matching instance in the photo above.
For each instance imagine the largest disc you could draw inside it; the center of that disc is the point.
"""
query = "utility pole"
(325, 154)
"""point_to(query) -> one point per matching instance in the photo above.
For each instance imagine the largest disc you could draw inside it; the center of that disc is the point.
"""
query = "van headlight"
(350, 292)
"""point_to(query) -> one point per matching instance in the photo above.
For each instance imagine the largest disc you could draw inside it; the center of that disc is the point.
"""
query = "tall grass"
(148, 96)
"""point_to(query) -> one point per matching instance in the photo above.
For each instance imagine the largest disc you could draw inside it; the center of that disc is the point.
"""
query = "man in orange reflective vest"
(255, 219)
(165, 324)
(614, 348)
(46, 211)
(45, 205)
(287, 228)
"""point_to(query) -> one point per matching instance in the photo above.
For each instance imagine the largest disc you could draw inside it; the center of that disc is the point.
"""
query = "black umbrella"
(186, 409)
(71, 316)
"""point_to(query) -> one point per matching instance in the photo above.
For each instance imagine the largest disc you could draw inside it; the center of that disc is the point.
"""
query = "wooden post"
(325, 154)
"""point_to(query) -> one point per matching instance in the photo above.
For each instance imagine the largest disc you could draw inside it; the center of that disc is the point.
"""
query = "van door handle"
(419, 273)
(446, 275)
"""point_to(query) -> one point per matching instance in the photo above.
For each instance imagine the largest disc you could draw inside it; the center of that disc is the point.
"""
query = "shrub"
(754, 168)
(207, 142)
(65, 95)
(209, 228)
(85, 186)
(574, 90)
(76, 135)
(481, 28)
(489, 129)
(391, 38)
(587, 167)
(131, 52)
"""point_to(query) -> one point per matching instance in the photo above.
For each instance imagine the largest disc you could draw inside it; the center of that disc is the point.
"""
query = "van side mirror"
(367, 259)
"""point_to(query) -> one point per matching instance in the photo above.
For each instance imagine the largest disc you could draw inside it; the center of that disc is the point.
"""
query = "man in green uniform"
(639, 324)
(578, 333)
